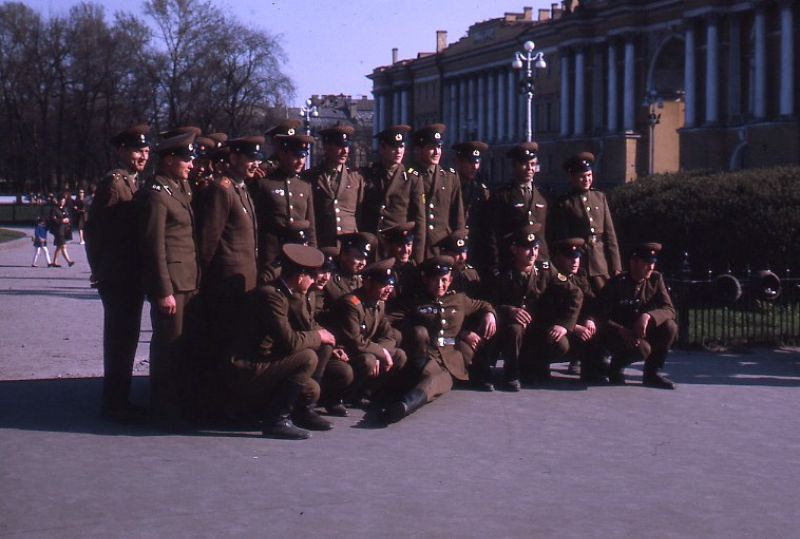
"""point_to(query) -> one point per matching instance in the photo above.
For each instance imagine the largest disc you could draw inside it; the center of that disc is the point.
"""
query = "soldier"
(273, 359)
(433, 320)
(476, 197)
(357, 249)
(282, 197)
(111, 240)
(338, 191)
(464, 277)
(184, 130)
(170, 271)
(516, 292)
(398, 241)
(444, 207)
(227, 245)
(286, 127)
(392, 195)
(639, 318)
(517, 204)
(361, 327)
(584, 213)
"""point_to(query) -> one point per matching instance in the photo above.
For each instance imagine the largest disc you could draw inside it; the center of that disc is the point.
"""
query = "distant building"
(722, 75)
(358, 112)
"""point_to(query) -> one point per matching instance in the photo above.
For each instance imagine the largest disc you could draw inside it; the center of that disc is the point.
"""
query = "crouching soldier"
(639, 318)
(274, 361)
(434, 319)
(361, 327)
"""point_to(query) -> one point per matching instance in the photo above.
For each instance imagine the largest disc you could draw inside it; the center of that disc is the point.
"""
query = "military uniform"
(281, 198)
(170, 268)
(111, 248)
(337, 197)
(341, 283)
(444, 206)
(513, 207)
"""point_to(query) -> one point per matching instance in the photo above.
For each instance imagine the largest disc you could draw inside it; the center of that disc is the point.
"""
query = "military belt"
(446, 341)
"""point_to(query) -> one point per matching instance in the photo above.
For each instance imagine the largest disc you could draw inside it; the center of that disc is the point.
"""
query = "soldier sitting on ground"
(433, 319)
(356, 250)
(639, 318)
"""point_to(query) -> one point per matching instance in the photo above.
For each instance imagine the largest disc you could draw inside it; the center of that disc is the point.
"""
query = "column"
(382, 120)
(472, 119)
(376, 120)
(481, 126)
(404, 109)
(452, 86)
(712, 70)
(502, 103)
(462, 108)
(396, 107)
(596, 96)
(734, 66)
(512, 105)
(613, 114)
(564, 93)
(786, 100)
(760, 83)
(629, 100)
(491, 108)
(689, 76)
(579, 119)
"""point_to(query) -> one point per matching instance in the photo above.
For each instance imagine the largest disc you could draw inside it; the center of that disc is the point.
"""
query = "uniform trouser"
(332, 375)
(257, 382)
(427, 368)
(538, 352)
(385, 382)
(122, 317)
(652, 349)
(598, 282)
(170, 356)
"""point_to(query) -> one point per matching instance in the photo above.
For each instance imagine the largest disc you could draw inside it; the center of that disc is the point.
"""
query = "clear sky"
(333, 44)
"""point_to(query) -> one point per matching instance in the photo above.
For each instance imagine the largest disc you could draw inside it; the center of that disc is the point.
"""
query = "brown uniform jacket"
(479, 222)
(509, 213)
(362, 328)
(227, 238)
(336, 202)
(444, 207)
(280, 199)
(515, 289)
(392, 198)
(169, 252)
(467, 281)
(339, 285)
(111, 232)
(276, 324)
(622, 300)
(586, 215)
(560, 303)
(444, 319)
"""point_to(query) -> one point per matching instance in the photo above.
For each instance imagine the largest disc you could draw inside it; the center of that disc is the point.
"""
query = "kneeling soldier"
(639, 318)
(361, 327)
(274, 360)
(433, 318)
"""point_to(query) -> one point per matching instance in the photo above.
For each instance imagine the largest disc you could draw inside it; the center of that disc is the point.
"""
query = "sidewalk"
(716, 458)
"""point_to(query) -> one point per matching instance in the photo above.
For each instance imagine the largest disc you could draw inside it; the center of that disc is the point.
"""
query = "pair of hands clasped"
(489, 328)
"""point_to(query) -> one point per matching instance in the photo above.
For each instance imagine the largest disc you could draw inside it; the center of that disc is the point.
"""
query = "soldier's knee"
(400, 359)
(420, 335)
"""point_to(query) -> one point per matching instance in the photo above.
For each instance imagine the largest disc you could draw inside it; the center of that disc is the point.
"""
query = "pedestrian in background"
(79, 208)
(60, 227)
(40, 242)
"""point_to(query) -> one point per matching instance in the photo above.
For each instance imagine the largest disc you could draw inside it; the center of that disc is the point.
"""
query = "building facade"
(646, 85)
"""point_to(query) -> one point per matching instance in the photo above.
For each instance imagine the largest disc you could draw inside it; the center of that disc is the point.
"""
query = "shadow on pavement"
(757, 367)
(84, 294)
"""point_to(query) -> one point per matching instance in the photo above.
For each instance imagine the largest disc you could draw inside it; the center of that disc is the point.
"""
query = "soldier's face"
(641, 269)
(243, 166)
(391, 155)
(305, 281)
(402, 252)
(376, 291)
(467, 169)
(524, 256)
(177, 168)
(525, 170)
(199, 168)
(460, 259)
(289, 162)
(336, 155)
(582, 181)
(567, 264)
(352, 261)
(134, 159)
(322, 279)
(430, 154)
(437, 285)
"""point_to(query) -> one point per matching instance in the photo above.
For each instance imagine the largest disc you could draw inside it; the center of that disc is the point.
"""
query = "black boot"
(336, 408)
(652, 378)
(410, 403)
(305, 416)
(276, 420)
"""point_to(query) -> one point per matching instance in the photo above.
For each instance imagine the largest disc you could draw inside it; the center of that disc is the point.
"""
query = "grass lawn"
(8, 235)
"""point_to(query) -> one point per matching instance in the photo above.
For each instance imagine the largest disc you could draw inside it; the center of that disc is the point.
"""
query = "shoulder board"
(452, 170)
(352, 298)
(412, 171)
(226, 183)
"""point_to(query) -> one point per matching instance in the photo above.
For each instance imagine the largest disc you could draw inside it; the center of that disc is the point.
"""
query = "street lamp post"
(307, 112)
(528, 61)
(652, 101)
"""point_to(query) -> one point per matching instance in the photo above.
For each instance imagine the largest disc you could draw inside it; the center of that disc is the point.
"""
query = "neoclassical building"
(647, 85)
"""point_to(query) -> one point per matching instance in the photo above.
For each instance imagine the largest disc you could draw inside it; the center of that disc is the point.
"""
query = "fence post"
(683, 304)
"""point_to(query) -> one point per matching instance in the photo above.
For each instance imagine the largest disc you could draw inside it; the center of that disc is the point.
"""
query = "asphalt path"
(718, 457)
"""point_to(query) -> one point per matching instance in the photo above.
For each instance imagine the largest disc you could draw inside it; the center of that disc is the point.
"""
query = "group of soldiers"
(285, 294)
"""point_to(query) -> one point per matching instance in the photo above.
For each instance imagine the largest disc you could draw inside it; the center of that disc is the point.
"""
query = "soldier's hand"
(326, 336)
(472, 339)
(591, 326)
(521, 316)
(489, 326)
(387, 361)
(260, 173)
(640, 326)
(167, 305)
(582, 332)
(340, 354)
(556, 333)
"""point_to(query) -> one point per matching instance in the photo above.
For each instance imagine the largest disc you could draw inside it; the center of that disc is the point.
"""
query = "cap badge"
(437, 136)
(476, 153)
(398, 137)
(460, 243)
(368, 247)
(531, 237)
(258, 147)
(290, 131)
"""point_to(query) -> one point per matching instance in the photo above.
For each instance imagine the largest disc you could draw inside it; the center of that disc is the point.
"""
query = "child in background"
(40, 242)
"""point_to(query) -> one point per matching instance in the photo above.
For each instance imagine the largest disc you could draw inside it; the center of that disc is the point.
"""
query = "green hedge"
(721, 219)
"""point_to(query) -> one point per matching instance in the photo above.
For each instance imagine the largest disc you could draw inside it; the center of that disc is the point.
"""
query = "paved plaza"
(718, 457)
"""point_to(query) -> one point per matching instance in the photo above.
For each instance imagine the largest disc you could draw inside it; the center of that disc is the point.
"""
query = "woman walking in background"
(79, 207)
(59, 224)
(40, 242)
